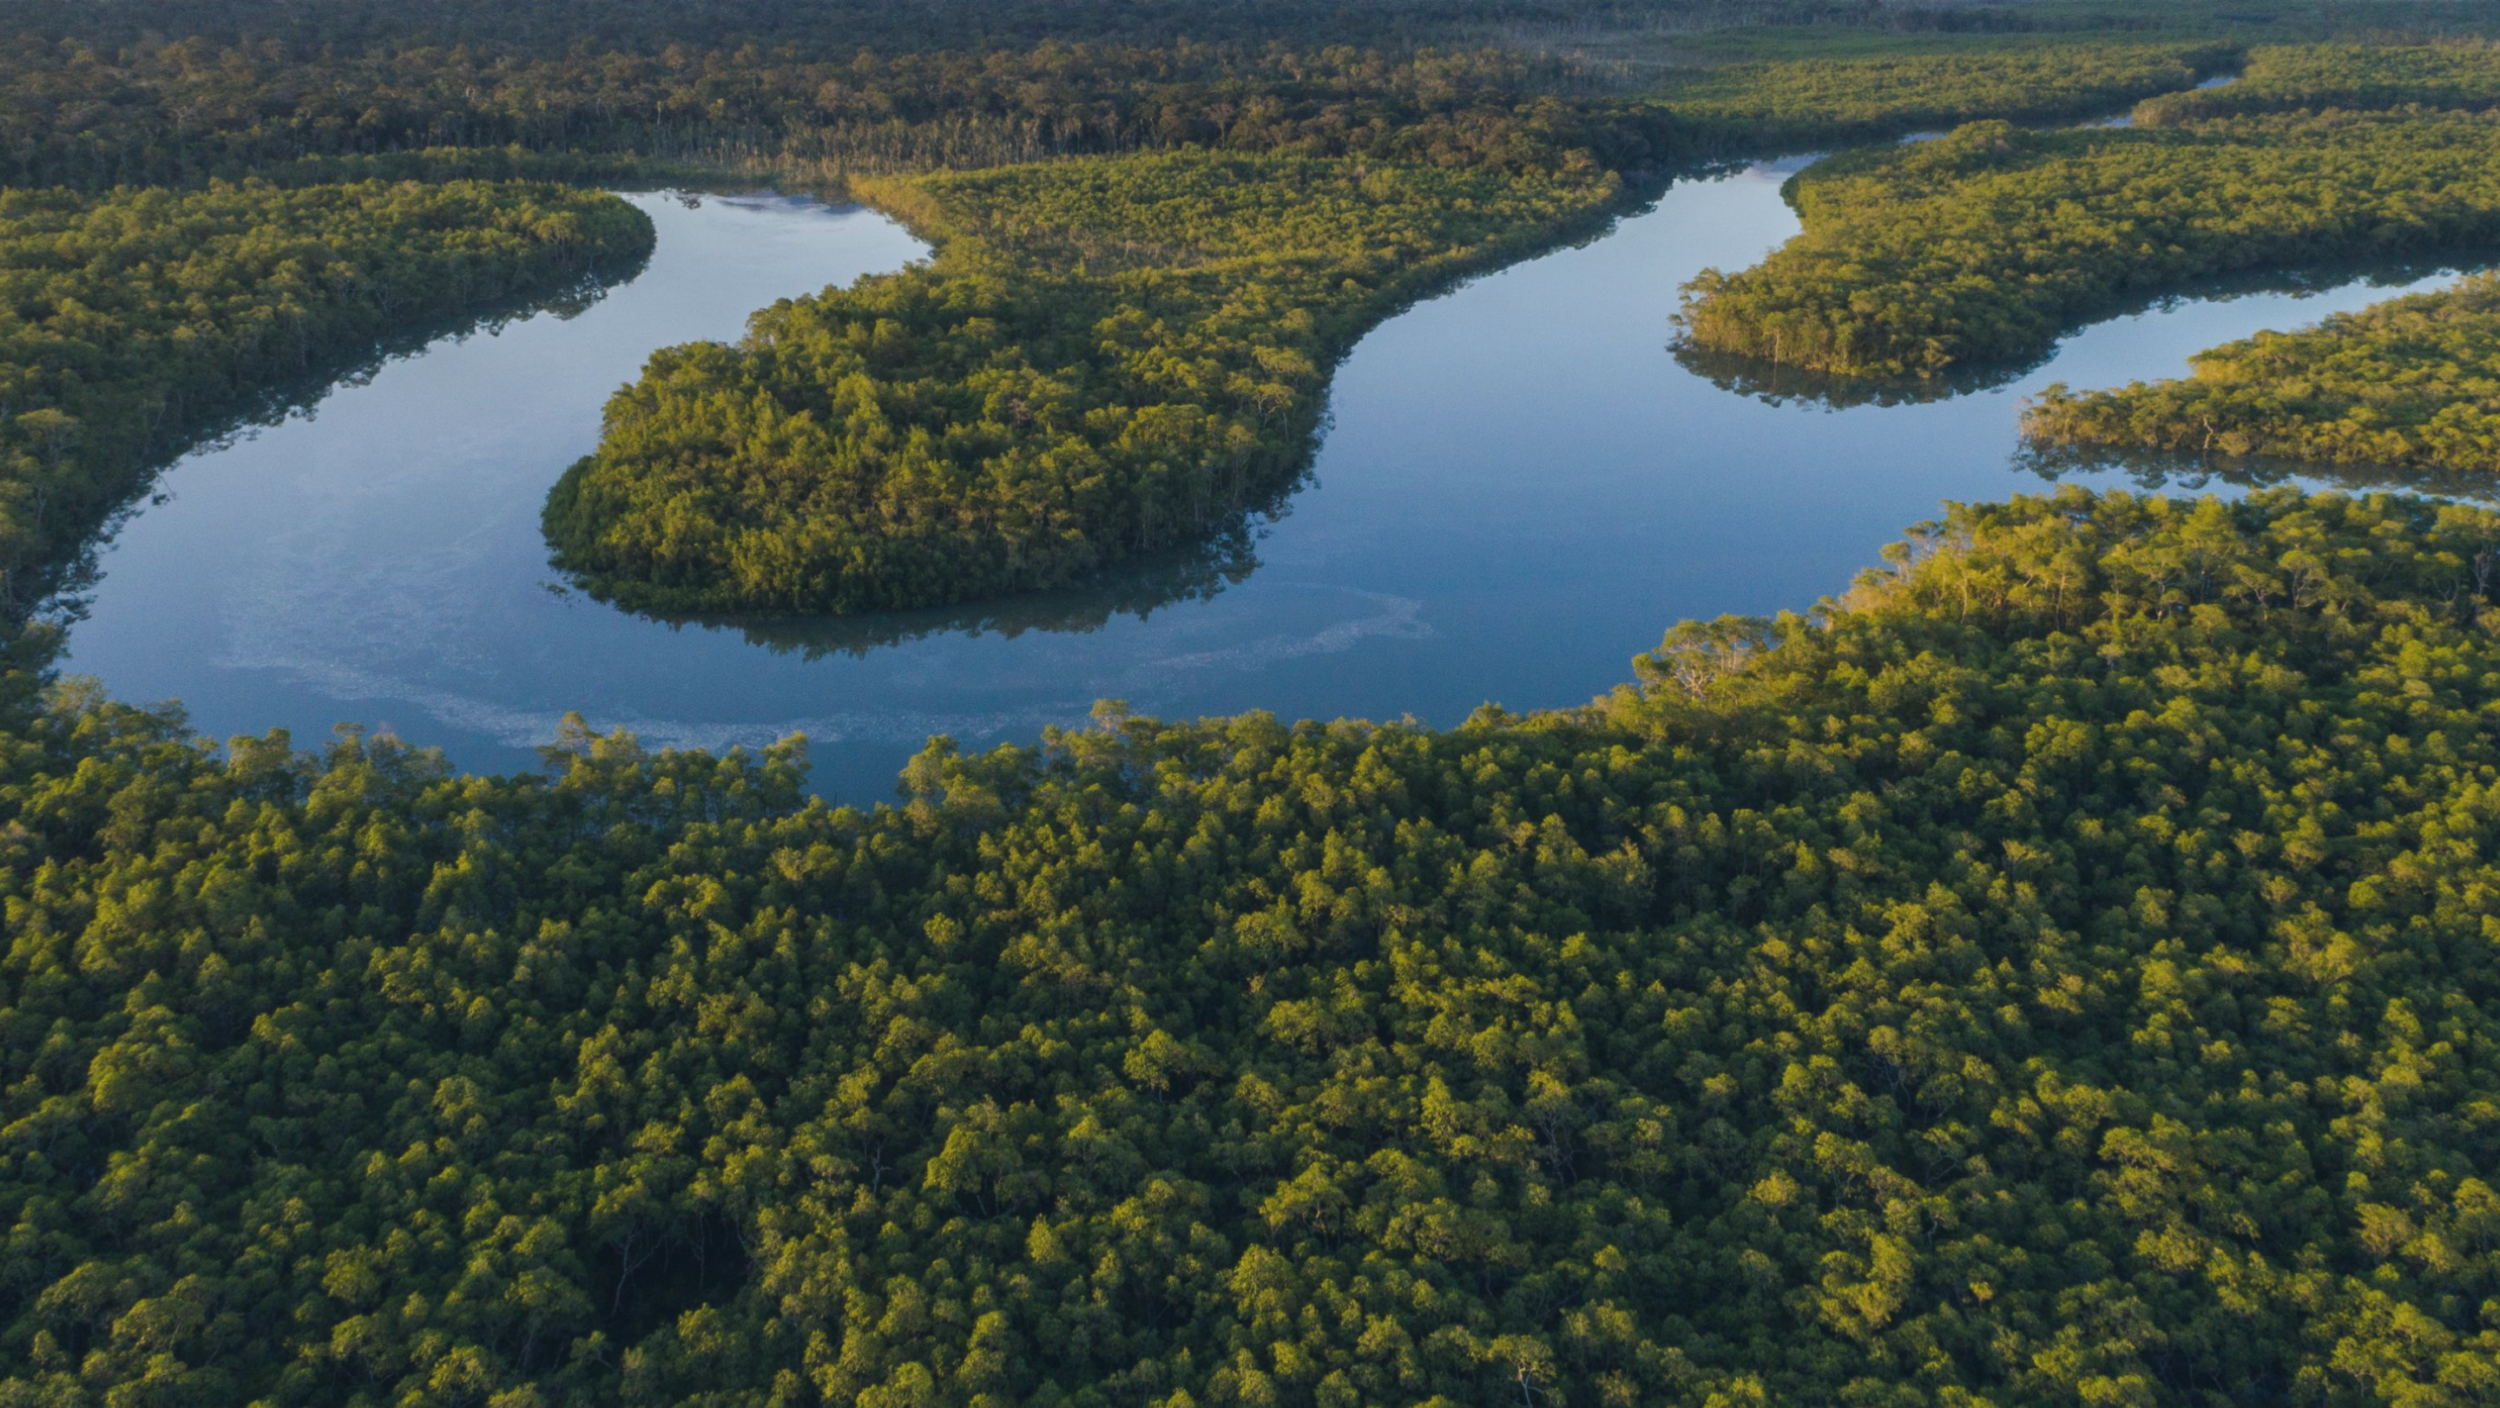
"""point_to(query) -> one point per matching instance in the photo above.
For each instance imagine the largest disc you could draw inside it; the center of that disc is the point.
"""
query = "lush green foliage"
(2406, 384)
(133, 322)
(1774, 105)
(1982, 246)
(2352, 77)
(2062, 972)
(1106, 357)
(2414, 382)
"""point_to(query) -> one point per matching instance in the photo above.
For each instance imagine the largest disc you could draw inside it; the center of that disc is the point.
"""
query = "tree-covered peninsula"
(1982, 246)
(2058, 971)
(1106, 357)
(2461, 73)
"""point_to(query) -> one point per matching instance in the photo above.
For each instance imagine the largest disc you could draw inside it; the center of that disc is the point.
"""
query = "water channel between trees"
(1522, 488)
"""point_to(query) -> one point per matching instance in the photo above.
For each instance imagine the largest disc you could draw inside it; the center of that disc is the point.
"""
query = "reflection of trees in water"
(1138, 588)
(1769, 381)
(1779, 385)
(2190, 472)
(61, 593)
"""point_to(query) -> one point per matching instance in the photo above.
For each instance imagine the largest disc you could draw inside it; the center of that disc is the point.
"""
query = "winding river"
(1522, 488)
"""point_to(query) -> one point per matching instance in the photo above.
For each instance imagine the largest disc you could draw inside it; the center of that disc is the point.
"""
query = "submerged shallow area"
(1521, 489)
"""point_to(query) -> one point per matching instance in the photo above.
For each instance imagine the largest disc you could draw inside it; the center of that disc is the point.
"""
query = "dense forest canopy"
(2408, 384)
(159, 111)
(2460, 73)
(179, 111)
(1769, 104)
(840, 28)
(2060, 971)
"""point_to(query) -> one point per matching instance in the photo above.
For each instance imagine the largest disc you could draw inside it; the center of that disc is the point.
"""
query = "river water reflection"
(1522, 488)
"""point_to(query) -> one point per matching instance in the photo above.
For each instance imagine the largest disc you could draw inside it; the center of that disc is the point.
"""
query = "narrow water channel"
(1522, 489)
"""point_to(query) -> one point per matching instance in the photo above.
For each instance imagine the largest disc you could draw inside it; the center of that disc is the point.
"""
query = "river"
(1521, 489)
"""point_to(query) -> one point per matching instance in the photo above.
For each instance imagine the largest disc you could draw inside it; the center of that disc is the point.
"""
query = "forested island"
(2057, 968)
